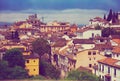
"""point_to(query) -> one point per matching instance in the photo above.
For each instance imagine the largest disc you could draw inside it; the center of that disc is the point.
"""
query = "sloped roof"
(102, 47)
(83, 41)
(111, 62)
(60, 43)
(116, 49)
(31, 56)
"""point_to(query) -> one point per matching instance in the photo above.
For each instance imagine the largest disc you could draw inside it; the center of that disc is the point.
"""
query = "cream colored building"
(109, 69)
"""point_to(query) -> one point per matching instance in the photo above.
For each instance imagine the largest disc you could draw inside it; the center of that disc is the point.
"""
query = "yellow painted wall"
(32, 66)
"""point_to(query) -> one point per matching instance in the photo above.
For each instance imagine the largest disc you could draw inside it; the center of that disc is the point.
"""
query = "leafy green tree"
(14, 57)
(3, 69)
(41, 46)
(46, 69)
(38, 77)
(82, 76)
(7, 72)
(18, 73)
(108, 31)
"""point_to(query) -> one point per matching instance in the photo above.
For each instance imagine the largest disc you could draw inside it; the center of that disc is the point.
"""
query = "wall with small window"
(113, 72)
(32, 66)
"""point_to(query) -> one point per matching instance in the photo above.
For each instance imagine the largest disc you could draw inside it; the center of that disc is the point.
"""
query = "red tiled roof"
(116, 50)
(110, 61)
(116, 41)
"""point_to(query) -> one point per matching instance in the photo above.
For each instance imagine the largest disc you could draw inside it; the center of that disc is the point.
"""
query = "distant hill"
(80, 25)
(5, 23)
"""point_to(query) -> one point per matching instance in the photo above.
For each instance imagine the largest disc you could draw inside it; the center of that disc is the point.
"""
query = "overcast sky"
(74, 11)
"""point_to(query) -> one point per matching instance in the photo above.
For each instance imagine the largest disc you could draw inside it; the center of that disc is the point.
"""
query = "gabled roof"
(83, 41)
(110, 62)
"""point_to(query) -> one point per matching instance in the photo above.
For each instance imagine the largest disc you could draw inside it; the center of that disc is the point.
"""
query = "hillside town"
(94, 48)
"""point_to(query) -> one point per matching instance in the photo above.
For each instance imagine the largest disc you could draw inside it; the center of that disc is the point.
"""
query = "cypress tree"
(109, 15)
(104, 17)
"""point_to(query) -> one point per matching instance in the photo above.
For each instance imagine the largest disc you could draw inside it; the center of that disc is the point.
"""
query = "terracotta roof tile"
(111, 62)
(116, 41)
(116, 50)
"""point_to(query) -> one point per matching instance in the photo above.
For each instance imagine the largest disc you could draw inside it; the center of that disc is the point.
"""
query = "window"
(117, 55)
(89, 53)
(94, 64)
(33, 69)
(102, 77)
(99, 67)
(115, 72)
(90, 65)
(89, 58)
(34, 61)
(94, 53)
(108, 69)
(92, 35)
(102, 68)
(27, 70)
(27, 61)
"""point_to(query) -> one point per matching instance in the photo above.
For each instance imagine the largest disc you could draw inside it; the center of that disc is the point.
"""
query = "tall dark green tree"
(114, 20)
(41, 46)
(16, 35)
(109, 18)
(104, 17)
(14, 57)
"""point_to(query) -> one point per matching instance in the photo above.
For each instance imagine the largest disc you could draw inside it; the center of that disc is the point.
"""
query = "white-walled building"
(87, 33)
(116, 53)
(109, 69)
(82, 44)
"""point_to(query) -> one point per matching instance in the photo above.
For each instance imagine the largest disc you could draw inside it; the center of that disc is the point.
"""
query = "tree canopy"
(46, 69)
(7, 72)
(14, 57)
(41, 46)
(108, 31)
(82, 76)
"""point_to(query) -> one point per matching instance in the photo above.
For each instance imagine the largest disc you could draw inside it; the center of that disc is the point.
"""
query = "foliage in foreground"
(48, 70)
(82, 76)
(7, 72)
(14, 58)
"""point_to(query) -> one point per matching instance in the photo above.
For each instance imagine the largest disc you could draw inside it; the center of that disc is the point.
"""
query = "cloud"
(78, 16)
(58, 4)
